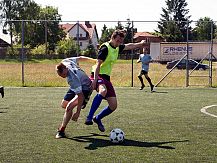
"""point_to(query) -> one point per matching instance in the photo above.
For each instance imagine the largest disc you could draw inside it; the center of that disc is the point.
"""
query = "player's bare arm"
(131, 46)
(87, 59)
(79, 106)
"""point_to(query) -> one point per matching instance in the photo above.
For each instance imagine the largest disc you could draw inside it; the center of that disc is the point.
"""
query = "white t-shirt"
(77, 78)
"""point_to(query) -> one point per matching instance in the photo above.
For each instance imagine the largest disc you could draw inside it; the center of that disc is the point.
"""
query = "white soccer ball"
(116, 136)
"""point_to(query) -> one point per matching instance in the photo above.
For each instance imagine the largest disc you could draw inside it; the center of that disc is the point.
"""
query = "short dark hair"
(60, 67)
(118, 32)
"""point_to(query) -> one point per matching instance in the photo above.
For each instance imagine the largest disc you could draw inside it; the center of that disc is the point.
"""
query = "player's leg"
(87, 94)
(141, 80)
(67, 98)
(102, 91)
(112, 101)
(2, 91)
(64, 104)
(67, 116)
(112, 105)
(149, 81)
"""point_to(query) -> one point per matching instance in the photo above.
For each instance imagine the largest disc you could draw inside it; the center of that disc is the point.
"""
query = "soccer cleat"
(143, 86)
(84, 105)
(60, 134)
(2, 91)
(100, 125)
(152, 88)
(88, 122)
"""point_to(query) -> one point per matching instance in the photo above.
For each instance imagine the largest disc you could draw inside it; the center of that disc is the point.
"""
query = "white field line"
(203, 110)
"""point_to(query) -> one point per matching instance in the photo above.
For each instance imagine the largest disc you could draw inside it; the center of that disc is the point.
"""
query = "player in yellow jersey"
(107, 56)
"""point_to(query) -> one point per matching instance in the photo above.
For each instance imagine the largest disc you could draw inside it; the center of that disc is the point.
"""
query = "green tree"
(175, 21)
(90, 51)
(50, 27)
(204, 30)
(36, 32)
(67, 48)
(29, 12)
(130, 31)
(8, 11)
(106, 34)
(44, 30)
(119, 26)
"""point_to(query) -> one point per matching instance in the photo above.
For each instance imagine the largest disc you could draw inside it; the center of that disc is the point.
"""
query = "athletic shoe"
(152, 88)
(84, 105)
(88, 122)
(2, 91)
(60, 134)
(143, 86)
(99, 123)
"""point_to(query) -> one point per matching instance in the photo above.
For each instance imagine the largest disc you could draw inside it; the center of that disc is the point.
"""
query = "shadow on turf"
(156, 92)
(159, 92)
(96, 143)
(3, 111)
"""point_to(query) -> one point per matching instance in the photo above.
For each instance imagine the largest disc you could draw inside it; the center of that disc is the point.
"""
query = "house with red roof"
(139, 36)
(146, 36)
(85, 33)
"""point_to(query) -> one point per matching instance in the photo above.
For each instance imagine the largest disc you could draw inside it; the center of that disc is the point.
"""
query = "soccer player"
(2, 91)
(101, 71)
(79, 92)
(145, 59)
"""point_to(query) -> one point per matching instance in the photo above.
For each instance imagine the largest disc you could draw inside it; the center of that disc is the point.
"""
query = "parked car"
(191, 64)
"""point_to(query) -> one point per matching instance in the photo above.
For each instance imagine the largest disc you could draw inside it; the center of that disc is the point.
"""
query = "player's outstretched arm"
(131, 46)
(88, 59)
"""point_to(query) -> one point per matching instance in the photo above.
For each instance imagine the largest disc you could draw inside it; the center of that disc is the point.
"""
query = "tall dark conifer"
(175, 21)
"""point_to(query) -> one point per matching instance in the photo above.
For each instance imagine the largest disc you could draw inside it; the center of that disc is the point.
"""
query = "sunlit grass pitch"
(165, 126)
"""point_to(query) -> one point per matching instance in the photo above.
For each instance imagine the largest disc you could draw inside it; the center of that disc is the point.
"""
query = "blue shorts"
(70, 95)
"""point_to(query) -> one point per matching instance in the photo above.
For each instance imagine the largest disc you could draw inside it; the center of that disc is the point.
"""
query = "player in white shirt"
(79, 91)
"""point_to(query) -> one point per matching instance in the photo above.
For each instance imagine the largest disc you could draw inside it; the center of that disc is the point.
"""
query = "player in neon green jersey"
(107, 56)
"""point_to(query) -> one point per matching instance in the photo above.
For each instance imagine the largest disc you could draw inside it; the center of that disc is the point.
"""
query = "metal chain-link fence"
(36, 40)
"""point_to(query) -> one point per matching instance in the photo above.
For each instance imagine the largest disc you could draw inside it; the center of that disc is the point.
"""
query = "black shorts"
(143, 72)
(70, 95)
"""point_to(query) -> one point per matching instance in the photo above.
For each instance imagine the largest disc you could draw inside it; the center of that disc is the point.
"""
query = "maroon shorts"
(108, 84)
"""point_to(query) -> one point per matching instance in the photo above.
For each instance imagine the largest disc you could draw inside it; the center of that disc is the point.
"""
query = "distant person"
(79, 91)
(2, 91)
(107, 56)
(145, 59)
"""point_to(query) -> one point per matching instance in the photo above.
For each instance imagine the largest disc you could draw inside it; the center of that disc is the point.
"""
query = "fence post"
(187, 67)
(46, 48)
(77, 36)
(132, 56)
(211, 55)
(23, 53)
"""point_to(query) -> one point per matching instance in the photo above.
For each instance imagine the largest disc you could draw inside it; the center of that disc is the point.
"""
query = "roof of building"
(86, 27)
(143, 34)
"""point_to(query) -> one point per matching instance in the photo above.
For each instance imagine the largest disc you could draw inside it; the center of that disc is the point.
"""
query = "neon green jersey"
(106, 66)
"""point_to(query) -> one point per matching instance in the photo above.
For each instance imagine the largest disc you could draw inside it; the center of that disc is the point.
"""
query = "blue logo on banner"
(173, 50)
